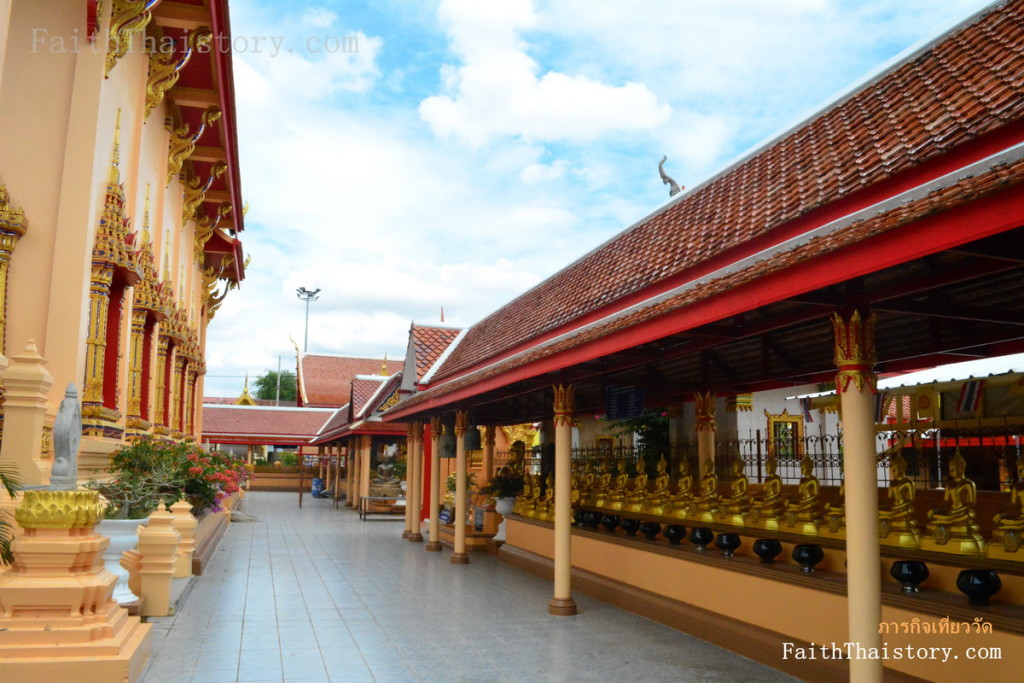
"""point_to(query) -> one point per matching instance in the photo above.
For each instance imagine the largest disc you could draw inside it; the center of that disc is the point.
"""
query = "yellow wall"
(57, 121)
(801, 613)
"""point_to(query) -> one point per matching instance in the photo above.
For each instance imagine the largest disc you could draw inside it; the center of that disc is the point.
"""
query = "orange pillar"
(562, 604)
(855, 384)
(434, 542)
(415, 487)
(461, 425)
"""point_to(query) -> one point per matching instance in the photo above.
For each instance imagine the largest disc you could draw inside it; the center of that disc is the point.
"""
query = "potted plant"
(504, 487)
(450, 485)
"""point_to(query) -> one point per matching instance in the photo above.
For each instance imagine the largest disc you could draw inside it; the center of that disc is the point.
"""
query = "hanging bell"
(473, 439)
(446, 445)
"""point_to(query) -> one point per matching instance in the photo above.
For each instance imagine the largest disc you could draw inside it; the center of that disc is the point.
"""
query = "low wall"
(276, 481)
(755, 609)
(209, 530)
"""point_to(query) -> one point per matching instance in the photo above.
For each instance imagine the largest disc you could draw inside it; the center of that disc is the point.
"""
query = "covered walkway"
(316, 595)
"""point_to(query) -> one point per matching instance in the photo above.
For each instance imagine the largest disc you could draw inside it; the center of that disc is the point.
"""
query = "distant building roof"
(262, 425)
(324, 380)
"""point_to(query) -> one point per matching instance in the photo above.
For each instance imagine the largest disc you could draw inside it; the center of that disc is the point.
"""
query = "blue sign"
(623, 403)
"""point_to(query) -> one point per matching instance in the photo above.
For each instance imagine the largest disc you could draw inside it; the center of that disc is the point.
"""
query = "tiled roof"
(1001, 177)
(363, 389)
(222, 423)
(325, 379)
(381, 394)
(359, 427)
(337, 421)
(966, 84)
(428, 345)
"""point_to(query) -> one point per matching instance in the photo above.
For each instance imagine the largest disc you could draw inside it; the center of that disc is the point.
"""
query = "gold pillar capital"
(855, 350)
(564, 404)
(461, 423)
(490, 435)
(705, 410)
(435, 427)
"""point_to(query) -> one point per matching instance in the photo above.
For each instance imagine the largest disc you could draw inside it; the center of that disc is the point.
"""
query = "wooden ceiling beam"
(194, 97)
(178, 15)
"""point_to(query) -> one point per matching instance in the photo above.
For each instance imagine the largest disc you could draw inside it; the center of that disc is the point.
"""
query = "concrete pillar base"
(562, 607)
(415, 538)
(433, 546)
(406, 533)
(459, 558)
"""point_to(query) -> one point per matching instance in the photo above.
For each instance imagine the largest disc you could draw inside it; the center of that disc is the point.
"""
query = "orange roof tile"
(324, 380)
(428, 345)
(222, 424)
(964, 85)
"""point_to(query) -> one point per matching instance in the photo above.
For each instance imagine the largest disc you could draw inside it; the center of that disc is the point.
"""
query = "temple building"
(120, 209)
(753, 314)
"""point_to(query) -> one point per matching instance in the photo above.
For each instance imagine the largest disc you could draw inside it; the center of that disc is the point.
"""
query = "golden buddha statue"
(636, 494)
(766, 506)
(896, 523)
(707, 501)
(1009, 521)
(617, 490)
(955, 521)
(546, 502)
(530, 500)
(598, 492)
(734, 506)
(583, 479)
(658, 496)
(521, 500)
(802, 509)
(679, 504)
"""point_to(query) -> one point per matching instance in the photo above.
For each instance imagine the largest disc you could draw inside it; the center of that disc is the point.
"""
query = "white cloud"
(498, 92)
(319, 17)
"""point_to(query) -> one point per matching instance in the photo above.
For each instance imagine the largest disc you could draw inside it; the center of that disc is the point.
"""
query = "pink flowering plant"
(148, 471)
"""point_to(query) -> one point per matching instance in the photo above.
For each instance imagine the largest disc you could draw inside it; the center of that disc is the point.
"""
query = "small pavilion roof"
(262, 424)
(324, 380)
(428, 342)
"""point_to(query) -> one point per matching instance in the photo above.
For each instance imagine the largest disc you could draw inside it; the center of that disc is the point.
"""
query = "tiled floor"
(317, 595)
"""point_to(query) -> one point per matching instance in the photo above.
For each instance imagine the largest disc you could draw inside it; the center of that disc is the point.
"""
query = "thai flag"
(970, 396)
(881, 406)
(805, 406)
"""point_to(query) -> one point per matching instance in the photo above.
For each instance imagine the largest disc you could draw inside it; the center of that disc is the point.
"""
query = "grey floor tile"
(317, 595)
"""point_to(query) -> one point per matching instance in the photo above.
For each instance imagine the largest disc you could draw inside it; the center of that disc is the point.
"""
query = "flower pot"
(979, 585)
(123, 535)
(910, 574)
(503, 506)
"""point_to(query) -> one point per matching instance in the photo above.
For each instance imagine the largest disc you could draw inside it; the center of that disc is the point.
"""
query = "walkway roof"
(899, 197)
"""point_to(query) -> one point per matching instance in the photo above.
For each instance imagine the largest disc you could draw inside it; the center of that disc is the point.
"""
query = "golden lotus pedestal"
(801, 523)
(955, 539)
(899, 533)
(57, 619)
(733, 518)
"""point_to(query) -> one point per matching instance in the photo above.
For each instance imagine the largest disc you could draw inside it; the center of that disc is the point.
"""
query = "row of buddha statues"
(950, 527)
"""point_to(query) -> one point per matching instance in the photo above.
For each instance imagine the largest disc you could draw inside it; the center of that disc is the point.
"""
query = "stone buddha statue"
(734, 505)
(896, 523)
(767, 505)
(955, 520)
(802, 509)
(1009, 521)
(617, 489)
(636, 494)
(706, 503)
(598, 492)
(658, 496)
(679, 504)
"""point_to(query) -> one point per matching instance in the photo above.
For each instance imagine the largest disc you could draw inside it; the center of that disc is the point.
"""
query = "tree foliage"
(265, 386)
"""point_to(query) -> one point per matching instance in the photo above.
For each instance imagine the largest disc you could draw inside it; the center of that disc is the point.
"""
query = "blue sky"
(472, 148)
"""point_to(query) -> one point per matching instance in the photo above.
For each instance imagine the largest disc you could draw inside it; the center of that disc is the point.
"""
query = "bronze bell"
(473, 439)
(446, 445)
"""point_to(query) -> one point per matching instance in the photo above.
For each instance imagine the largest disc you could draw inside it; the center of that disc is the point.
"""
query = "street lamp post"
(307, 296)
